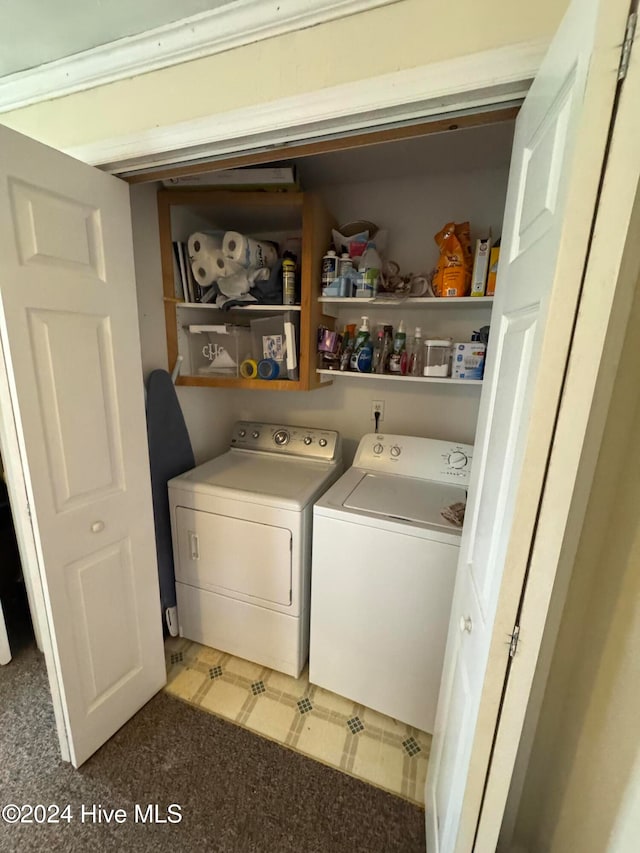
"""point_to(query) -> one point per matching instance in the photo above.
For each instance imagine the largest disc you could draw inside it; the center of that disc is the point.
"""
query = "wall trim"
(492, 77)
(233, 25)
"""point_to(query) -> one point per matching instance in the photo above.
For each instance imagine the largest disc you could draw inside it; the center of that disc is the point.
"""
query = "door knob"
(97, 527)
(466, 625)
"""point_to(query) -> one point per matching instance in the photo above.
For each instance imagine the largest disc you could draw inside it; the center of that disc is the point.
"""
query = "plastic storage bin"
(218, 350)
(277, 338)
(437, 358)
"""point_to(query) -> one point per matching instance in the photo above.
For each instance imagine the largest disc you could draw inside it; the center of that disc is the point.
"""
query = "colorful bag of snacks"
(453, 273)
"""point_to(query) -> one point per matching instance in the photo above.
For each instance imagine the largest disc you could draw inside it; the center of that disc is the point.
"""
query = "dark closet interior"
(12, 590)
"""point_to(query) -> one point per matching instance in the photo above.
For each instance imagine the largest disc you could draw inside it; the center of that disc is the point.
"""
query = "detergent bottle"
(361, 339)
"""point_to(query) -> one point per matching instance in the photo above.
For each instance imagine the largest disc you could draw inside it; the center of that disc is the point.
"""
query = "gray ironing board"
(170, 454)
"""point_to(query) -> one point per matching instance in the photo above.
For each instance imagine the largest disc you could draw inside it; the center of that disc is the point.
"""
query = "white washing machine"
(383, 572)
(241, 526)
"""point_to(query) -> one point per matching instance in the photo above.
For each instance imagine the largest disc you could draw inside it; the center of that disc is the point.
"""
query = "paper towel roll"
(203, 242)
(208, 267)
(249, 252)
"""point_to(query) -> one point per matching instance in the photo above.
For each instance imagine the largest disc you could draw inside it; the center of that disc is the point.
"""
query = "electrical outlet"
(377, 406)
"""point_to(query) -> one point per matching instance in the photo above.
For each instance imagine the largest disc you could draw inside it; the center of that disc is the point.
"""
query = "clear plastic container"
(272, 336)
(218, 350)
(437, 357)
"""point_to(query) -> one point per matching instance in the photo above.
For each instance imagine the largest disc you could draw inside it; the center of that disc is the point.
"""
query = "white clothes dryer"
(242, 526)
(383, 572)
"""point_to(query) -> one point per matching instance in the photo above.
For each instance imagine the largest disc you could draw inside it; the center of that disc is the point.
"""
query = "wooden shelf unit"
(250, 308)
(257, 212)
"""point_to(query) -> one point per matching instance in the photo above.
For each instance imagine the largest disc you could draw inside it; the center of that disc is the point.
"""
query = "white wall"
(582, 787)
(404, 35)
(413, 209)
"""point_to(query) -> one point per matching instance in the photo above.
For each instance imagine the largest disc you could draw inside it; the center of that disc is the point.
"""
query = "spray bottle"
(348, 340)
(382, 364)
(399, 345)
(378, 349)
(416, 359)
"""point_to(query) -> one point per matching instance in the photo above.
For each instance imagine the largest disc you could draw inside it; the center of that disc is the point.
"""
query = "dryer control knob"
(242, 433)
(323, 442)
(378, 448)
(255, 434)
(396, 451)
(307, 439)
(457, 459)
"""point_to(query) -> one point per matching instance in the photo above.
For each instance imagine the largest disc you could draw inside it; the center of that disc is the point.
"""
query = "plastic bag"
(453, 273)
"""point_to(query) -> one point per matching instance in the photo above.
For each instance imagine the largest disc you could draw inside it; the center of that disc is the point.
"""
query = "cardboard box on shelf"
(468, 360)
(480, 266)
(494, 257)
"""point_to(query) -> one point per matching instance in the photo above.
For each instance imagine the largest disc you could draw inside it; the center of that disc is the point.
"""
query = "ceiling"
(35, 32)
(466, 150)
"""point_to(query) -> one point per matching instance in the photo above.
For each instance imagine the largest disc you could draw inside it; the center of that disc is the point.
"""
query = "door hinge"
(627, 44)
(513, 642)
(28, 509)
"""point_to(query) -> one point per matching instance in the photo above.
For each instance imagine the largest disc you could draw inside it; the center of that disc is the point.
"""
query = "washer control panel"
(410, 456)
(311, 443)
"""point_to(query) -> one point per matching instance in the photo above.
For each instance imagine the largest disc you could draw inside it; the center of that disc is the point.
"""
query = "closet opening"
(408, 182)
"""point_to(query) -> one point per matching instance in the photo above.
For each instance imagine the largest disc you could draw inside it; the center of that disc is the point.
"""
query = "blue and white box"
(468, 360)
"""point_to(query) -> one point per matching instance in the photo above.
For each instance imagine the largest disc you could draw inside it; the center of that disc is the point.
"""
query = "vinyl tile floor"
(301, 716)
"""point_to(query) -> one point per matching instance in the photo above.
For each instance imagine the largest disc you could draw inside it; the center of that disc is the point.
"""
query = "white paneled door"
(69, 331)
(559, 150)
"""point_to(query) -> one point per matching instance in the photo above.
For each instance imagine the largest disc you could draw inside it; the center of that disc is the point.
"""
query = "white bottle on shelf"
(329, 269)
(370, 267)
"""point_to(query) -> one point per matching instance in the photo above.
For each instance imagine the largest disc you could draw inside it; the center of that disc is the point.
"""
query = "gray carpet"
(239, 793)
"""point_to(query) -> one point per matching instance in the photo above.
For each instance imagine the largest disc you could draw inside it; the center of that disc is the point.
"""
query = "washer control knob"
(242, 433)
(281, 437)
(457, 459)
(378, 448)
(323, 442)
(255, 434)
(307, 440)
(396, 451)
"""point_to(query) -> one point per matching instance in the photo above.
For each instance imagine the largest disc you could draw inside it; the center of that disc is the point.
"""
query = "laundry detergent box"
(480, 266)
(468, 360)
(494, 257)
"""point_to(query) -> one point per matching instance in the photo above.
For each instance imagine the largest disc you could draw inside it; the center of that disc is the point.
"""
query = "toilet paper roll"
(210, 266)
(247, 251)
(204, 242)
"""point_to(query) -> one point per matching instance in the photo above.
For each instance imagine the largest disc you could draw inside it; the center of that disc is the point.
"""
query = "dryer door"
(233, 556)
